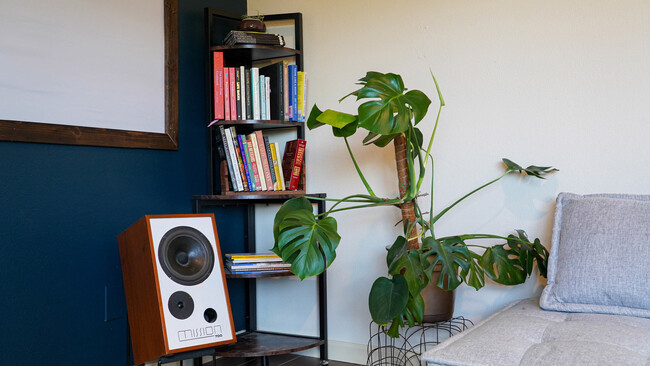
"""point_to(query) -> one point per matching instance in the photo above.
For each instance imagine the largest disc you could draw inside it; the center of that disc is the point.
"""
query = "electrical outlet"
(113, 304)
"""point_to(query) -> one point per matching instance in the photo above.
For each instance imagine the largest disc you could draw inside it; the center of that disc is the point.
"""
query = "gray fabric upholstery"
(600, 255)
(598, 292)
(524, 334)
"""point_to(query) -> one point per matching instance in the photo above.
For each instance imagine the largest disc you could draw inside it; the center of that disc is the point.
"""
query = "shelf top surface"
(270, 196)
(255, 52)
(256, 344)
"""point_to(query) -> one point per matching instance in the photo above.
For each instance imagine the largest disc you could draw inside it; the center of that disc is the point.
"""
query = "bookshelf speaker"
(175, 286)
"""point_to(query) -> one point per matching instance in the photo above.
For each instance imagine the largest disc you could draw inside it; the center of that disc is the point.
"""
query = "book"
(233, 157)
(246, 160)
(217, 70)
(226, 93)
(237, 258)
(276, 85)
(238, 92)
(293, 91)
(242, 84)
(253, 163)
(300, 95)
(277, 165)
(263, 97)
(233, 94)
(292, 162)
(285, 86)
(261, 146)
(255, 85)
(267, 96)
(227, 149)
(269, 158)
(246, 37)
(249, 95)
(257, 267)
(239, 162)
(258, 161)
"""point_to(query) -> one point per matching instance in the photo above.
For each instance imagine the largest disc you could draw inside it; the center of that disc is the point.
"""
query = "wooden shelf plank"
(257, 344)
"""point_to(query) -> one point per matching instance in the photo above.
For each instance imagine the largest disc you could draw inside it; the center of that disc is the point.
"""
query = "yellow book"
(301, 96)
(277, 167)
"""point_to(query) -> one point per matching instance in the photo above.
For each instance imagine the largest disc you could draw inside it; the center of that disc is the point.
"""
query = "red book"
(292, 162)
(226, 92)
(265, 160)
(254, 162)
(217, 61)
(233, 93)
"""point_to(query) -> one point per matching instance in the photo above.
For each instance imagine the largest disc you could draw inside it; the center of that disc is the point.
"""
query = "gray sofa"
(595, 308)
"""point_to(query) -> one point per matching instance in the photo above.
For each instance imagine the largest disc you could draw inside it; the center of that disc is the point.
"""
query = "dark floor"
(280, 360)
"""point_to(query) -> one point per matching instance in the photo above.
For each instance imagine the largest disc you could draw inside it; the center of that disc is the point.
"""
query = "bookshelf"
(253, 342)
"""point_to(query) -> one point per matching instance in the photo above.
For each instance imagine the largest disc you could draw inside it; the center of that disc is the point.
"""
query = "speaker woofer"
(186, 255)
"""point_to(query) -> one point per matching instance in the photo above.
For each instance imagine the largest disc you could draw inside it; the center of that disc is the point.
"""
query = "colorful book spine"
(238, 92)
(233, 93)
(217, 61)
(242, 83)
(258, 160)
(292, 162)
(269, 158)
(276, 169)
(300, 91)
(267, 96)
(249, 95)
(255, 84)
(251, 156)
(264, 160)
(285, 85)
(226, 150)
(280, 170)
(239, 162)
(293, 74)
(239, 186)
(263, 100)
(246, 160)
(226, 93)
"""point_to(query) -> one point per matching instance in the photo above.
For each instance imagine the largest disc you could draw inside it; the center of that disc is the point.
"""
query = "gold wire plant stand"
(411, 343)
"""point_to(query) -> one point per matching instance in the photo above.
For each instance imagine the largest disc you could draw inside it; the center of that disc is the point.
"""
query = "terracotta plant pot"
(438, 303)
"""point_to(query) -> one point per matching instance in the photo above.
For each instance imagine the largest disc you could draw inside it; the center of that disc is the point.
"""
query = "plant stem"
(439, 215)
(356, 166)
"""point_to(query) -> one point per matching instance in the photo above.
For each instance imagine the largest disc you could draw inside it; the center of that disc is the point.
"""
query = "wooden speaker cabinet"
(174, 285)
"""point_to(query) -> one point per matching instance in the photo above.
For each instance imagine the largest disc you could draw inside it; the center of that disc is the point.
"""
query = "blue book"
(293, 92)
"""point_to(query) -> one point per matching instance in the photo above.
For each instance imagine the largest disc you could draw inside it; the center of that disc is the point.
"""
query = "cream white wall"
(564, 83)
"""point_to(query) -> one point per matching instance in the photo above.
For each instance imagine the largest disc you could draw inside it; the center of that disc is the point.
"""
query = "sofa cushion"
(524, 334)
(600, 255)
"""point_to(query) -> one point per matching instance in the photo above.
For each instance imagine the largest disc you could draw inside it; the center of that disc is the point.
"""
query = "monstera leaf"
(532, 170)
(452, 259)
(391, 110)
(388, 298)
(302, 240)
(500, 268)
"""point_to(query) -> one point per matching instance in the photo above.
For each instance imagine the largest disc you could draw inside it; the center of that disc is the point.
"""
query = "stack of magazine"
(255, 263)
(243, 37)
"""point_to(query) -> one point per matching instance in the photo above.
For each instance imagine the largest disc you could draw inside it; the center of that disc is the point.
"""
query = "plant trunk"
(407, 208)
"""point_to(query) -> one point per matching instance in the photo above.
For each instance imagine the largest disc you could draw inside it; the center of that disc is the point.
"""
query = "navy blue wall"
(61, 209)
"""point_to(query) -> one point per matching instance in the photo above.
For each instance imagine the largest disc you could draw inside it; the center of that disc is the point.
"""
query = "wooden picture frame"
(20, 131)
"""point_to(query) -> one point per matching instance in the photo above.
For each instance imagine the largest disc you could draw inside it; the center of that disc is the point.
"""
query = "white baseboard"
(342, 351)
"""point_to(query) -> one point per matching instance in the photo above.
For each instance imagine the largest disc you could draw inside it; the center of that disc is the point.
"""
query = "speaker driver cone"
(186, 255)
(180, 305)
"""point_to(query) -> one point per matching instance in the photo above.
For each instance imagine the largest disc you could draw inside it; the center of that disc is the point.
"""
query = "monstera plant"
(388, 112)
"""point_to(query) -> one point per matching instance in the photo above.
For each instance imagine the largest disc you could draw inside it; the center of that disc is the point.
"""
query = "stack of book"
(255, 263)
(255, 164)
(274, 92)
(246, 37)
